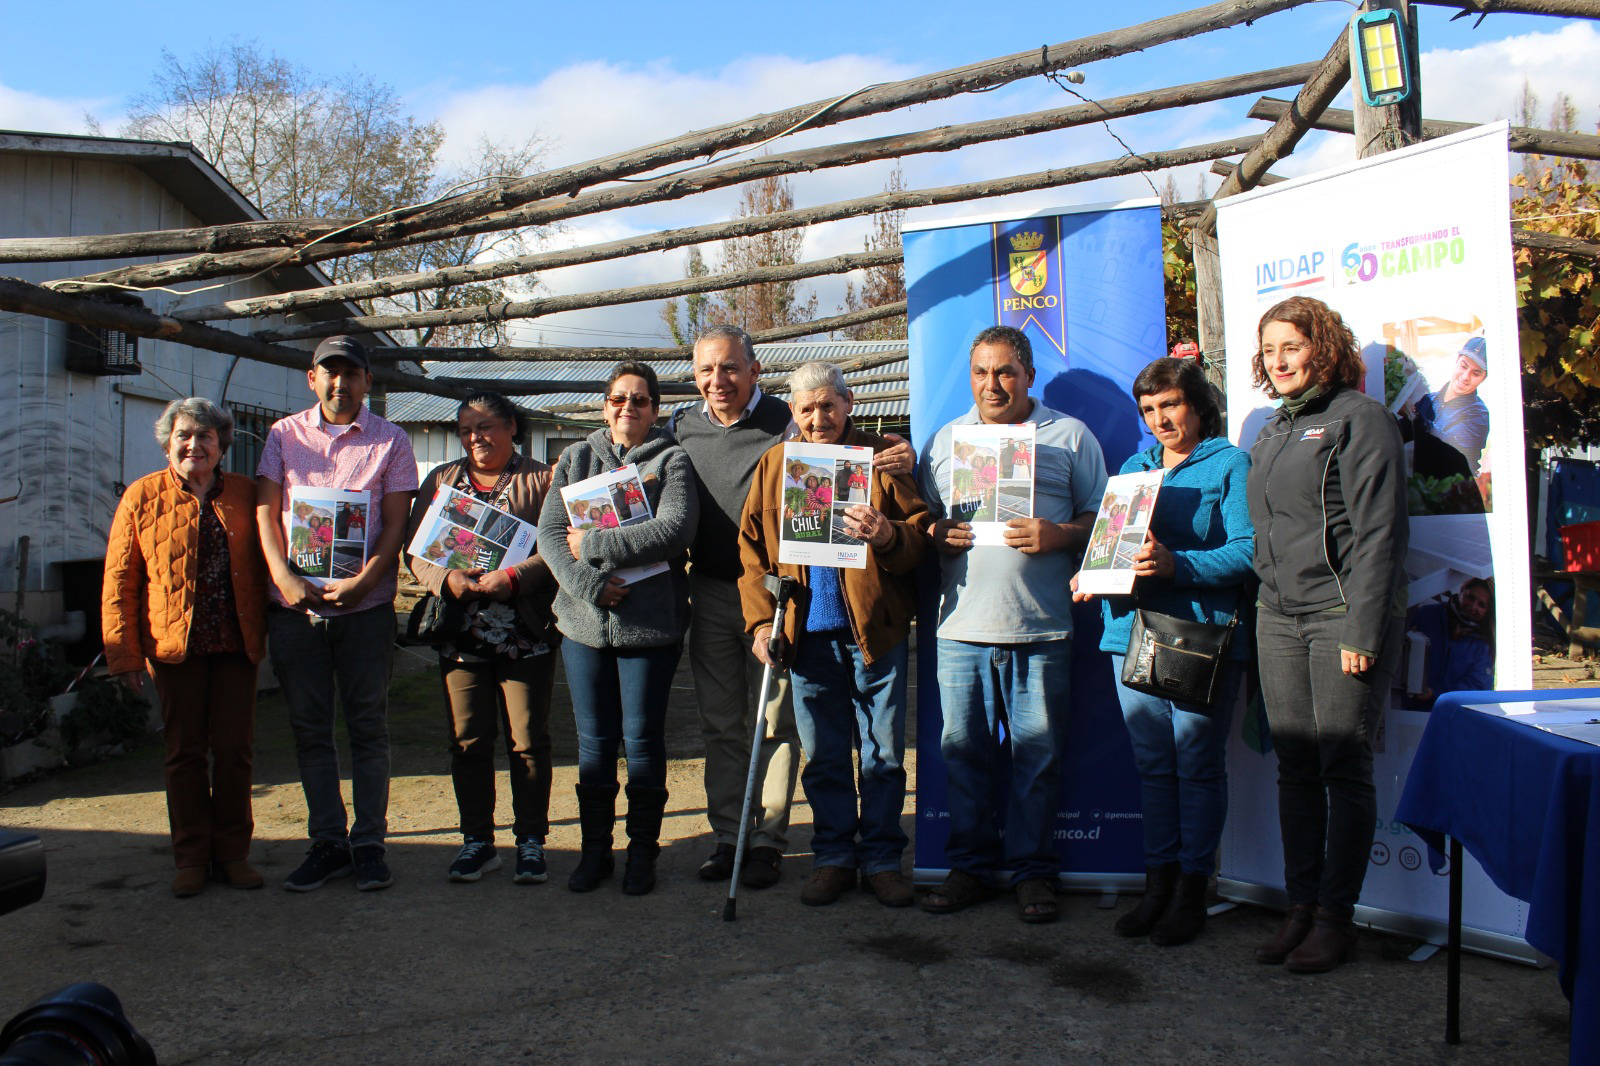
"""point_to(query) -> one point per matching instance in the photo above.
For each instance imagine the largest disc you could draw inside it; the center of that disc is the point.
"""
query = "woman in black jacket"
(1327, 496)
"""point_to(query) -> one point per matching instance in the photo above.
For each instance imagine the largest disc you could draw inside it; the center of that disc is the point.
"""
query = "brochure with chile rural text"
(326, 533)
(1118, 532)
(820, 483)
(461, 532)
(991, 478)
(612, 501)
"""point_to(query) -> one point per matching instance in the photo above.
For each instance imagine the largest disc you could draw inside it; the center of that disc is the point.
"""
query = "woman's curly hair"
(1335, 355)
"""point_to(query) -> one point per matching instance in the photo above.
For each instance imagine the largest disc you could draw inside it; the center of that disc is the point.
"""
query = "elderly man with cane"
(726, 436)
(846, 646)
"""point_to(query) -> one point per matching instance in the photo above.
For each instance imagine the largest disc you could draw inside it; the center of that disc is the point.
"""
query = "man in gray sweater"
(725, 437)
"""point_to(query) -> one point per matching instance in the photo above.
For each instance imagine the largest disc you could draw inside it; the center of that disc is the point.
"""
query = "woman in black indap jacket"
(1327, 494)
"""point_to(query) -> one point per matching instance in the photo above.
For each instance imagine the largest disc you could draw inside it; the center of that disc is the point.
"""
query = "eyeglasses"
(631, 401)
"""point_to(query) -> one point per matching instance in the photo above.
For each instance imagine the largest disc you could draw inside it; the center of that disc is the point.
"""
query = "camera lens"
(82, 1023)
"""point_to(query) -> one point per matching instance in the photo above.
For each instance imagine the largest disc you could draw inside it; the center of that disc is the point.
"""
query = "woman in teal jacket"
(1195, 564)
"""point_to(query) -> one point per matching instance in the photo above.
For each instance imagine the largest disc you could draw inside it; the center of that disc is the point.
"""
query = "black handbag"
(1175, 658)
(434, 620)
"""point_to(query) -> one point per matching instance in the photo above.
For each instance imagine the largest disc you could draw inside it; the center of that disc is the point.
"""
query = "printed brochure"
(327, 533)
(991, 478)
(461, 532)
(612, 501)
(820, 483)
(1118, 533)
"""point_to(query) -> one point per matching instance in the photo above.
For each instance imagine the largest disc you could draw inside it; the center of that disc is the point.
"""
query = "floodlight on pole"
(1382, 57)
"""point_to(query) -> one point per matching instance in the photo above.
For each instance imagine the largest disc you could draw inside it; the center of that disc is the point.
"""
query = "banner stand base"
(1494, 945)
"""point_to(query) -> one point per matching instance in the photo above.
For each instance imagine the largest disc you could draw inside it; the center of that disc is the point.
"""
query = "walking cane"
(782, 589)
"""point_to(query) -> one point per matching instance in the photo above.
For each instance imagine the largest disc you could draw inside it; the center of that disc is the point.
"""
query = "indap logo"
(1290, 272)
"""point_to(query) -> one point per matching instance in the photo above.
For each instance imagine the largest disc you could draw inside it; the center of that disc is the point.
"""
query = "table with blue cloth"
(1526, 803)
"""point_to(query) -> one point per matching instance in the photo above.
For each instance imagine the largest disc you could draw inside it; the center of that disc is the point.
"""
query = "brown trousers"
(484, 700)
(208, 707)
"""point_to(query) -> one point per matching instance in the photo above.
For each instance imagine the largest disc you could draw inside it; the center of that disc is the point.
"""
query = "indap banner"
(1413, 249)
(1085, 285)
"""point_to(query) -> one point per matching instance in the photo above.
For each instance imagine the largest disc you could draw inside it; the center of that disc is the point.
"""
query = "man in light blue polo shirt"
(1005, 623)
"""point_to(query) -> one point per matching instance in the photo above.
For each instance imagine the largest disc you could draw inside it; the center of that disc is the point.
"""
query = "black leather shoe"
(761, 867)
(719, 866)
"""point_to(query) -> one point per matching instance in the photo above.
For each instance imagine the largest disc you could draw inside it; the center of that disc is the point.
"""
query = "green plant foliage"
(1558, 306)
(105, 711)
(1177, 267)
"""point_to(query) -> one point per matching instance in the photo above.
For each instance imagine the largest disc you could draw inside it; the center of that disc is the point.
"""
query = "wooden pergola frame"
(201, 254)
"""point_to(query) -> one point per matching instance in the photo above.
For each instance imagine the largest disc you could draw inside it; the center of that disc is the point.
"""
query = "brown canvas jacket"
(880, 600)
(152, 559)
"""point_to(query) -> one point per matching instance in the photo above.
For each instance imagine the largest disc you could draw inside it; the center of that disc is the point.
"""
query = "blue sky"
(590, 79)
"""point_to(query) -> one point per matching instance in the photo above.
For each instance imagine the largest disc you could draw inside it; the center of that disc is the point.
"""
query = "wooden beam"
(1550, 242)
(1525, 139)
(510, 309)
(210, 239)
(1575, 9)
(870, 100)
(660, 190)
(538, 353)
(944, 139)
(1222, 168)
(1331, 76)
(670, 389)
(29, 299)
(711, 283)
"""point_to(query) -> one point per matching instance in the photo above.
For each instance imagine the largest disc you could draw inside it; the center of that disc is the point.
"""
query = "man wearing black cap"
(341, 625)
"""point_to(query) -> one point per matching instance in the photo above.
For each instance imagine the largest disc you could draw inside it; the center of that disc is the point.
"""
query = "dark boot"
(1158, 885)
(645, 805)
(1296, 924)
(597, 815)
(1329, 943)
(1186, 914)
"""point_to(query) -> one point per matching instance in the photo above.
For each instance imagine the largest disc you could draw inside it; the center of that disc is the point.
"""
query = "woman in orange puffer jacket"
(185, 591)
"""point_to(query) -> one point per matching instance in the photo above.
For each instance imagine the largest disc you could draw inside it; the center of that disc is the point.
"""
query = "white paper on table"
(461, 532)
(1575, 719)
(1118, 532)
(821, 482)
(618, 495)
(991, 478)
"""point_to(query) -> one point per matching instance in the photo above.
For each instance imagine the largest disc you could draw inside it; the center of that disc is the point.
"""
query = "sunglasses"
(631, 401)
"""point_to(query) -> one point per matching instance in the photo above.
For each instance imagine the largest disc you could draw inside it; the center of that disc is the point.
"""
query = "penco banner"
(1413, 249)
(1085, 286)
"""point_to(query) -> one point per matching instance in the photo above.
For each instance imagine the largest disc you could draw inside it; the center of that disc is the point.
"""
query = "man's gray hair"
(202, 412)
(818, 374)
(734, 332)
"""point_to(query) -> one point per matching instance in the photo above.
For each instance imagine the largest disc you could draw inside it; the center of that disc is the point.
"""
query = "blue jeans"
(1323, 724)
(310, 654)
(1181, 751)
(842, 706)
(1025, 688)
(620, 694)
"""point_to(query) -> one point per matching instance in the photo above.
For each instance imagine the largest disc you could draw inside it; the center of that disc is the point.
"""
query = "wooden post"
(1208, 305)
(1383, 129)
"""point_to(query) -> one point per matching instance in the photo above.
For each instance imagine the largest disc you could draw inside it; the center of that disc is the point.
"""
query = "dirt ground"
(434, 972)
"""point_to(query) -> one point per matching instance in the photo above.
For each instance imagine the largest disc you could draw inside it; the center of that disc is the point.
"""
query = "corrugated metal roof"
(414, 407)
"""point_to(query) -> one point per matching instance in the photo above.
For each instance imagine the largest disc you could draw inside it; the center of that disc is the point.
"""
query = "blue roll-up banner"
(1085, 285)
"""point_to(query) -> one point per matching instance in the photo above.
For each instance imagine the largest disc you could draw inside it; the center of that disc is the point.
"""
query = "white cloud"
(1485, 82)
(40, 114)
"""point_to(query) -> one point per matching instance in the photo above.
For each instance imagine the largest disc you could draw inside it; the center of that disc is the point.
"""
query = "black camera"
(82, 1023)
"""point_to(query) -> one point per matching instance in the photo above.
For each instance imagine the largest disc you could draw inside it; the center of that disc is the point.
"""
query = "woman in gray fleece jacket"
(623, 640)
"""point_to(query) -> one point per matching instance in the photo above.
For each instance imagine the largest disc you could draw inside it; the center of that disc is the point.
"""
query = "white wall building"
(70, 440)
